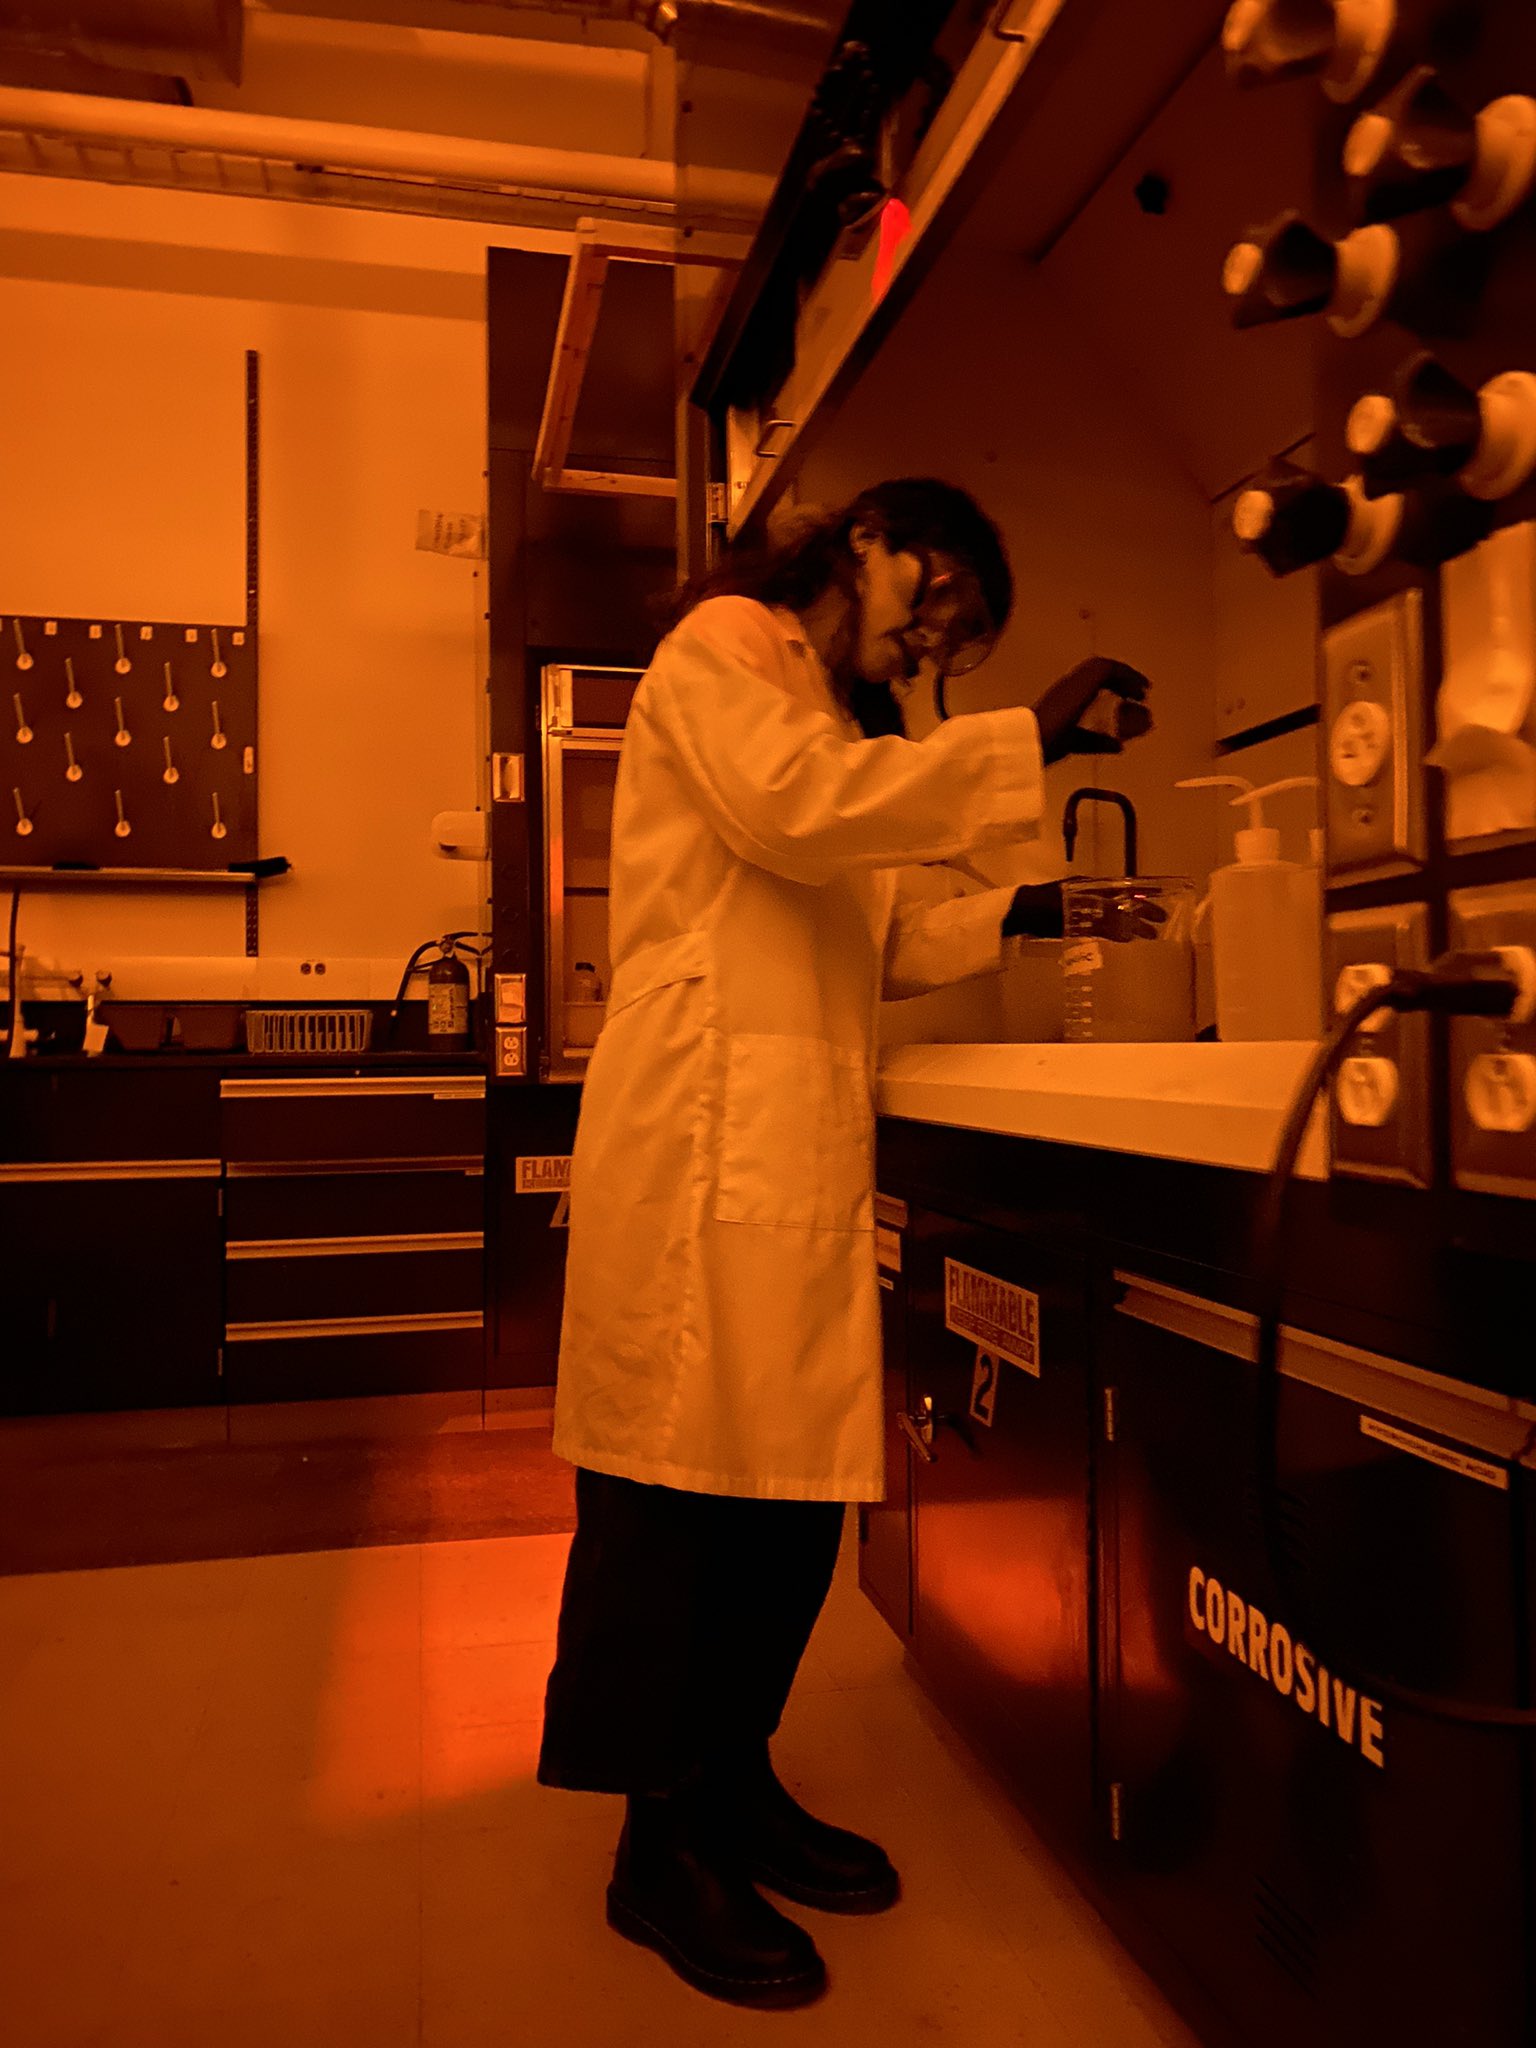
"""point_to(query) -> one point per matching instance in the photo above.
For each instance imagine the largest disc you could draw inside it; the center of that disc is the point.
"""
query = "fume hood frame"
(597, 245)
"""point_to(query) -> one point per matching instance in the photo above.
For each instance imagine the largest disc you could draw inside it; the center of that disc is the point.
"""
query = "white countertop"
(1215, 1105)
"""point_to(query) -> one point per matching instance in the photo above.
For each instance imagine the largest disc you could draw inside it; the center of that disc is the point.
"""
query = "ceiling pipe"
(756, 21)
(380, 152)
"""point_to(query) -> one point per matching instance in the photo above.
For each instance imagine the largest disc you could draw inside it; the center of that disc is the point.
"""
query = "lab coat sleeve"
(941, 931)
(786, 789)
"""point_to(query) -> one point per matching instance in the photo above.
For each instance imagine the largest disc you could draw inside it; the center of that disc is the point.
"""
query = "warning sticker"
(993, 1313)
(543, 1176)
(1436, 1454)
(888, 1248)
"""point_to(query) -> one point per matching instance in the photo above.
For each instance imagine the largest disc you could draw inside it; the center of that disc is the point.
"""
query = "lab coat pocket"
(683, 958)
(796, 1135)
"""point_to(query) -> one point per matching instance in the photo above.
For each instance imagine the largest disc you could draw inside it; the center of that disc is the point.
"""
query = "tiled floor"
(287, 1802)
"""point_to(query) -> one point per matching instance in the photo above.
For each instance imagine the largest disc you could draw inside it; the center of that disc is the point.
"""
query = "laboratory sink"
(1219, 1105)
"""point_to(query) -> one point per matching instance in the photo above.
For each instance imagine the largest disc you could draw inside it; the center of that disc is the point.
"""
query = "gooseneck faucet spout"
(1121, 803)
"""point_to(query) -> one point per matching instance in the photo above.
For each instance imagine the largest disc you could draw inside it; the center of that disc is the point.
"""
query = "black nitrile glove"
(1066, 701)
(1036, 913)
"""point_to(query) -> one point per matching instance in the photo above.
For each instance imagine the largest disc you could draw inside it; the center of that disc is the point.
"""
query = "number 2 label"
(983, 1388)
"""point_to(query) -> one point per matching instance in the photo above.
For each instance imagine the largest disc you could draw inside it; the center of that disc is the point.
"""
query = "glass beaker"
(1129, 979)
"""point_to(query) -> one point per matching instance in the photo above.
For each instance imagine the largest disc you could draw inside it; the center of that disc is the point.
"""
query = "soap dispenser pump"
(1265, 925)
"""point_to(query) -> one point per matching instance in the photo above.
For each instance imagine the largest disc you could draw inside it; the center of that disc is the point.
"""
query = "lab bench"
(1071, 1548)
(180, 1230)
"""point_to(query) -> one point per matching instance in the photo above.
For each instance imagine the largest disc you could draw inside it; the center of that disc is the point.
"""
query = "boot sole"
(877, 1899)
(774, 1994)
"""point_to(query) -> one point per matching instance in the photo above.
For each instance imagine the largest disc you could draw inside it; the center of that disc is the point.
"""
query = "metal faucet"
(1122, 804)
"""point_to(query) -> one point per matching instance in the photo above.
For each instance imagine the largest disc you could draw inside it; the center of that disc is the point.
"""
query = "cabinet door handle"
(918, 1431)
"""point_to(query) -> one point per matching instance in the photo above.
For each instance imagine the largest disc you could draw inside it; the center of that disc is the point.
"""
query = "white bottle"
(1266, 926)
(585, 986)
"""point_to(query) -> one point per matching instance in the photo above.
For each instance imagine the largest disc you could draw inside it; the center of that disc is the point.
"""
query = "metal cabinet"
(532, 1131)
(354, 1252)
(110, 1275)
(1328, 1866)
(997, 1366)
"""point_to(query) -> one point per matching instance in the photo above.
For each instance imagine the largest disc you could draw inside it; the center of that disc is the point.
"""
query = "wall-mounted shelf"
(136, 878)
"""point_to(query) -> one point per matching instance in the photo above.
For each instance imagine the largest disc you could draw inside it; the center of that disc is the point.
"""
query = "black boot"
(677, 1889)
(793, 1853)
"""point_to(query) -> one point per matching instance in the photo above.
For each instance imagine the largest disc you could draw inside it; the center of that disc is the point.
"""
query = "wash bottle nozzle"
(1257, 841)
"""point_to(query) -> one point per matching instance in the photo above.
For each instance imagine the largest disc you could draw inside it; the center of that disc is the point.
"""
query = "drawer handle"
(37, 1171)
(354, 1088)
(355, 1326)
(353, 1247)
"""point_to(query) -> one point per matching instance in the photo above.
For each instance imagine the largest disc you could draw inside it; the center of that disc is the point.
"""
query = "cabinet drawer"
(381, 1121)
(94, 1116)
(350, 1277)
(112, 1294)
(403, 1356)
(265, 1209)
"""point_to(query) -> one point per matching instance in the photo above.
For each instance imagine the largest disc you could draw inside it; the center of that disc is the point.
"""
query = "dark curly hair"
(912, 512)
(908, 512)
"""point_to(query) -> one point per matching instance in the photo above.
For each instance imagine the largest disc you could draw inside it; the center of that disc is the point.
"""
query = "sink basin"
(1222, 1105)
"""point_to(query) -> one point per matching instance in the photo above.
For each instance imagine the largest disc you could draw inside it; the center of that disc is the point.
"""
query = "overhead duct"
(182, 38)
(749, 22)
(173, 145)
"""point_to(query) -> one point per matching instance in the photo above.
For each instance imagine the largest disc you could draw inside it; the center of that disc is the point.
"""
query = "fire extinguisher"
(447, 1000)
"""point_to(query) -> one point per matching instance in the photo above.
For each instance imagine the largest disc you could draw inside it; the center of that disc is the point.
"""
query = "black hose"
(1404, 992)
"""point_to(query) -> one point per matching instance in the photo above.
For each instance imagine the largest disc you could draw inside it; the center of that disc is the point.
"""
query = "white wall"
(984, 382)
(124, 319)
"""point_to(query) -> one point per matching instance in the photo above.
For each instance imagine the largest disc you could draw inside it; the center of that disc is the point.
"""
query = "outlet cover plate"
(1491, 1162)
(1399, 1148)
(1372, 764)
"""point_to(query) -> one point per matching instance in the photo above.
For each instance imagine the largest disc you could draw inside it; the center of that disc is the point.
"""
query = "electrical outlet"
(1380, 1125)
(1373, 711)
(1493, 1063)
(511, 1052)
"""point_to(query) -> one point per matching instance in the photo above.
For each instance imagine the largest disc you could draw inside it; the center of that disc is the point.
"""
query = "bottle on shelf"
(584, 985)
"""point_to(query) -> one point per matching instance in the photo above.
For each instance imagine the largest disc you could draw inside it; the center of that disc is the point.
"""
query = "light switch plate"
(511, 998)
(1397, 1146)
(1495, 1162)
(1373, 729)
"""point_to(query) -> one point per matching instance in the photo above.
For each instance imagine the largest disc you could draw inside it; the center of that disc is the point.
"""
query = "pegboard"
(108, 724)
(127, 747)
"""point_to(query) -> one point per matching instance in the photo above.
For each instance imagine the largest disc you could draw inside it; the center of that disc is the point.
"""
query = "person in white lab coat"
(720, 1375)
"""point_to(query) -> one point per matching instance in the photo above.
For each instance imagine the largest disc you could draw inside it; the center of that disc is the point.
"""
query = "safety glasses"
(952, 624)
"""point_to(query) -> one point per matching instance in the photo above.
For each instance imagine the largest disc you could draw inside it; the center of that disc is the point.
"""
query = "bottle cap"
(1257, 843)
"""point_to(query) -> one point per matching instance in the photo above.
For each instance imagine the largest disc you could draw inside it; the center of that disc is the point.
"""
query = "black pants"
(682, 1623)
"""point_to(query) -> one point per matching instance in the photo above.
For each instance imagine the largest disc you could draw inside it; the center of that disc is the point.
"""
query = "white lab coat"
(722, 1324)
